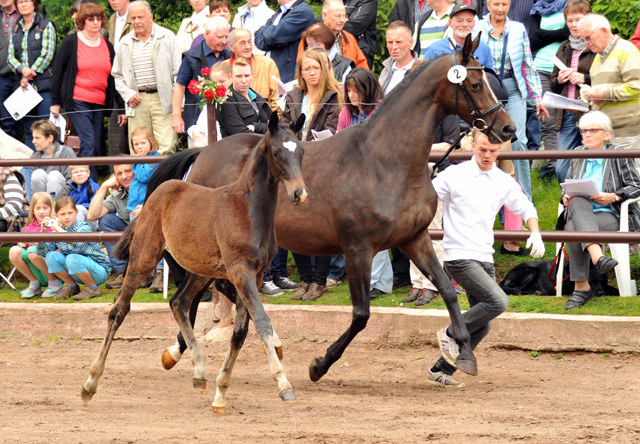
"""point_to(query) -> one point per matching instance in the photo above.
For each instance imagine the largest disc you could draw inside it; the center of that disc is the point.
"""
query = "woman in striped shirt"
(74, 262)
(13, 198)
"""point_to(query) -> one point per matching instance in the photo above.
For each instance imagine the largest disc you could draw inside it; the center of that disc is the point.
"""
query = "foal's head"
(285, 157)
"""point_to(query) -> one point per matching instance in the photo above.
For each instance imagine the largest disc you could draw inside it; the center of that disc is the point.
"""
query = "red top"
(94, 67)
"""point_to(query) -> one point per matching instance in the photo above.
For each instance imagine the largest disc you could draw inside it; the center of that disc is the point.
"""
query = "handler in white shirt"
(473, 192)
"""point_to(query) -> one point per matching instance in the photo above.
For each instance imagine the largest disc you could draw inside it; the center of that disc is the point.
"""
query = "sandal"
(32, 290)
(578, 299)
(53, 288)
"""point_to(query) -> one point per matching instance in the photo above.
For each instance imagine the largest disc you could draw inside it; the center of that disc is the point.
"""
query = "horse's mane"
(400, 87)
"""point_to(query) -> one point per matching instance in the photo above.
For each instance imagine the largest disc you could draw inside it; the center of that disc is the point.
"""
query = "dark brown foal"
(226, 233)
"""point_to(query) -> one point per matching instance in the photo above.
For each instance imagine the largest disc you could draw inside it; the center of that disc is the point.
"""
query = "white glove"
(536, 244)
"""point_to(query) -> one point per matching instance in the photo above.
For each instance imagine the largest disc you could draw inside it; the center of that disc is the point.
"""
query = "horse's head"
(285, 157)
(476, 101)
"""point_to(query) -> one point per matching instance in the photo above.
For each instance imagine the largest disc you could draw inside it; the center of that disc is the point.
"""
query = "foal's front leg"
(237, 340)
(180, 305)
(248, 293)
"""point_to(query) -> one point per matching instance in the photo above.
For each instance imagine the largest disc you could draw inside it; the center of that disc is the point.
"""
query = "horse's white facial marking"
(486, 82)
(290, 145)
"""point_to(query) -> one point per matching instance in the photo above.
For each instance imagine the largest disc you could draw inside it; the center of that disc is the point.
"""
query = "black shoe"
(400, 282)
(206, 296)
(521, 251)
(578, 299)
(375, 294)
(605, 264)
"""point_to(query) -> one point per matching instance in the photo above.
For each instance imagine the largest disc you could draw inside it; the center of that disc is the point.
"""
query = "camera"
(50, 223)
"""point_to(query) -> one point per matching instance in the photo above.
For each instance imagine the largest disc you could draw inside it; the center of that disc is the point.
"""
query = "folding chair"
(619, 252)
(15, 222)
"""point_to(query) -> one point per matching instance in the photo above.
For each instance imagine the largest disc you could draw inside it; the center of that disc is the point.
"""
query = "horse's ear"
(469, 47)
(298, 124)
(273, 122)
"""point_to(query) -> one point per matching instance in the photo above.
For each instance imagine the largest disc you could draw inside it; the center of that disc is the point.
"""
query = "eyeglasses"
(311, 69)
(339, 17)
(24, 2)
(79, 172)
(93, 18)
(588, 131)
(587, 39)
(315, 45)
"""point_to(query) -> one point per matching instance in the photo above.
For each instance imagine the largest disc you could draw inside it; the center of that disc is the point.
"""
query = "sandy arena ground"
(375, 394)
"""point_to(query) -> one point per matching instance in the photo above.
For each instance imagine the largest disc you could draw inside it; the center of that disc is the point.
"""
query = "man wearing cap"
(462, 21)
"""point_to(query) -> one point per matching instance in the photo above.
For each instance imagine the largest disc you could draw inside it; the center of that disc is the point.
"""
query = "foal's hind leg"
(117, 314)
(237, 340)
(420, 251)
(248, 292)
(181, 302)
(173, 354)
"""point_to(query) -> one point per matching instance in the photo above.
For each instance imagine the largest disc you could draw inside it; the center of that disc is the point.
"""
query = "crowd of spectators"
(135, 73)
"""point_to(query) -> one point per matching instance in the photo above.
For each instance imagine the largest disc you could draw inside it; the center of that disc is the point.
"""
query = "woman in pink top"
(82, 80)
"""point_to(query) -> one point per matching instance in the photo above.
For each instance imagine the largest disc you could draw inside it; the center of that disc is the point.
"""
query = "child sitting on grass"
(23, 255)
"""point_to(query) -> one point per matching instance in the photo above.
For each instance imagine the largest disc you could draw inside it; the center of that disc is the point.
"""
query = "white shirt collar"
(288, 5)
(406, 67)
(122, 17)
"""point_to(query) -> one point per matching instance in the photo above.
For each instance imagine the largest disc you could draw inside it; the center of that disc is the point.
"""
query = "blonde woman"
(319, 98)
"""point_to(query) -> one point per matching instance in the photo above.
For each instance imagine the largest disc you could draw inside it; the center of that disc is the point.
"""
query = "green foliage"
(533, 354)
(623, 15)
(382, 22)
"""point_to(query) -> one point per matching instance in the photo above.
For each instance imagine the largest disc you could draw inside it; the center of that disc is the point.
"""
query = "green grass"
(546, 196)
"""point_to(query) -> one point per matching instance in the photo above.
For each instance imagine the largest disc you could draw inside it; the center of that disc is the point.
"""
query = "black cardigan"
(65, 70)
(236, 113)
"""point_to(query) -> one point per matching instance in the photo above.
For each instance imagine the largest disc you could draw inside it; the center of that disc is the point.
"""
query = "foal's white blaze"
(290, 145)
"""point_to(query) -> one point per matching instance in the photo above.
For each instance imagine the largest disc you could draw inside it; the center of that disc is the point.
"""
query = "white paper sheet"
(556, 61)
(320, 135)
(21, 101)
(580, 187)
(284, 88)
(60, 123)
(556, 101)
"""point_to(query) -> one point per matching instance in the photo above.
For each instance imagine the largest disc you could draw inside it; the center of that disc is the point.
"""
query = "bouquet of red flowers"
(208, 89)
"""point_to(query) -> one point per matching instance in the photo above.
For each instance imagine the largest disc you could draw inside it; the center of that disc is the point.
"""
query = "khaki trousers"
(149, 113)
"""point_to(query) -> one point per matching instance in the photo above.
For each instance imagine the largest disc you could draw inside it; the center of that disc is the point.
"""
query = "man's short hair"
(594, 21)
(213, 23)
(327, 4)
(144, 3)
(399, 24)
(47, 128)
(233, 35)
(113, 167)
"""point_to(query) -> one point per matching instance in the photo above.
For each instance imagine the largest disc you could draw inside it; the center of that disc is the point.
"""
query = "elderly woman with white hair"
(618, 180)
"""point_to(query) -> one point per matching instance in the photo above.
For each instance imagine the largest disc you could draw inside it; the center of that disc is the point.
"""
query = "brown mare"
(370, 188)
(226, 233)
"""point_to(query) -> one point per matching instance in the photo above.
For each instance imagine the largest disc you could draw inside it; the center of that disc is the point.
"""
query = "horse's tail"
(173, 167)
(121, 250)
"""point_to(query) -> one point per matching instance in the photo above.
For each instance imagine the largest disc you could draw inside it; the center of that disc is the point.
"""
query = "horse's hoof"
(288, 395)
(219, 410)
(467, 365)
(200, 384)
(86, 395)
(314, 370)
(168, 361)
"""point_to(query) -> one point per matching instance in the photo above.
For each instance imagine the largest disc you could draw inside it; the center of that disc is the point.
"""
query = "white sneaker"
(448, 347)
(270, 289)
(332, 283)
(443, 380)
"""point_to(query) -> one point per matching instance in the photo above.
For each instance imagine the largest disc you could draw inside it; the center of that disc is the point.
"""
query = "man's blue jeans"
(8, 84)
(486, 299)
(112, 223)
(569, 138)
(517, 109)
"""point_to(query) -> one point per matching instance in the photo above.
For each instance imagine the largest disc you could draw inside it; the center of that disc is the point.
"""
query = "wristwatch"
(618, 198)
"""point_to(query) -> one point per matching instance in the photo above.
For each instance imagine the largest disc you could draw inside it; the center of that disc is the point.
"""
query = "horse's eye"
(477, 86)
(275, 153)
